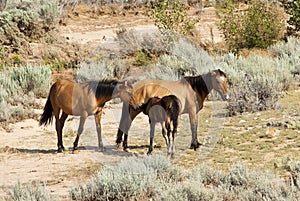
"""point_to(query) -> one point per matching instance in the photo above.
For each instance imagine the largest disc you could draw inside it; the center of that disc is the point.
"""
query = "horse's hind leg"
(164, 133)
(59, 124)
(79, 131)
(152, 130)
(98, 127)
(174, 133)
(168, 127)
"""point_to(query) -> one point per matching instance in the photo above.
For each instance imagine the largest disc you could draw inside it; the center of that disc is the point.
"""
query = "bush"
(148, 178)
(251, 86)
(132, 41)
(35, 79)
(184, 58)
(29, 191)
(189, 191)
(293, 9)
(101, 68)
(132, 179)
(252, 185)
(20, 86)
(288, 53)
(171, 16)
(261, 25)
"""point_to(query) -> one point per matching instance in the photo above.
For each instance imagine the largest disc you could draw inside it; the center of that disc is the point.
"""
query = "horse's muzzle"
(225, 97)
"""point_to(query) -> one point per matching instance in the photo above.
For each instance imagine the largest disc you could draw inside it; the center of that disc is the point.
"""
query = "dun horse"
(190, 90)
(163, 111)
(81, 99)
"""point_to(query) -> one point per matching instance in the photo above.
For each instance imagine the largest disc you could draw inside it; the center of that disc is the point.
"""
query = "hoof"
(126, 149)
(75, 151)
(149, 153)
(101, 149)
(60, 150)
(119, 146)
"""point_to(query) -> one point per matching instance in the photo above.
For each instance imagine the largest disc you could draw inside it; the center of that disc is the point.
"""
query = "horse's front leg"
(124, 124)
(98, 127)
(132, 114)
(152, 130)
(194, 124)
(79, 131)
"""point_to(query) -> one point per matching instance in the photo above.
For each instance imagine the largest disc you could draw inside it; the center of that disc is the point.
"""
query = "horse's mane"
(202, 83)
(199, 83)
(103, 87)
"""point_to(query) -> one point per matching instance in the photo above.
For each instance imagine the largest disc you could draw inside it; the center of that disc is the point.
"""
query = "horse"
(163, 111)
(190, 90)
(82, 99)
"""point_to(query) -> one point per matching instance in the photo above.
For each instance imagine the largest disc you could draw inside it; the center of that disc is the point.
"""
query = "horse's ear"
(221, 72)
(212, 72)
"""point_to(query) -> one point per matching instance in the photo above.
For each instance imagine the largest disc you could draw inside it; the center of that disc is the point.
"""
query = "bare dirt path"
(28, 152)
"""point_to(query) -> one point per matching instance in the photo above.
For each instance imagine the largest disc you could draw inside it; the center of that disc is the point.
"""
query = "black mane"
(104, 87)
(201, 83)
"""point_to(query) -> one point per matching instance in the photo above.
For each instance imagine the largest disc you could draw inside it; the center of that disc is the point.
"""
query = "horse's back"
(146, 89)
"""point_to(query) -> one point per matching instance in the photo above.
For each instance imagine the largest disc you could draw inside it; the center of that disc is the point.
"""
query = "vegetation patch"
(153, 178)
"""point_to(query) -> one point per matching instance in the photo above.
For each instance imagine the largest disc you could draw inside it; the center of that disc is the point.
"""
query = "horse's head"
(124, 90)
(219, 83)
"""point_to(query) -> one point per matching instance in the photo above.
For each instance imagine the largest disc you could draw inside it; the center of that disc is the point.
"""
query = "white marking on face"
(222, 78)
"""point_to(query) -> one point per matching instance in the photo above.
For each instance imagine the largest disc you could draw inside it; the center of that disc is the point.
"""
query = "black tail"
(46, 117)
(174, 113)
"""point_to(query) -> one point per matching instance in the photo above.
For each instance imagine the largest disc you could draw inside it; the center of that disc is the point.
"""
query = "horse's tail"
(175, 110)
(46, 117)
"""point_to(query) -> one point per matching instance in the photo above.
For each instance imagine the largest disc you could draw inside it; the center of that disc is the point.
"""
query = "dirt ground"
(28, 152)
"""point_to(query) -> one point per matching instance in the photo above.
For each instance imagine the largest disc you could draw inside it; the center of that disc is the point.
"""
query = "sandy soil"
(28, 152)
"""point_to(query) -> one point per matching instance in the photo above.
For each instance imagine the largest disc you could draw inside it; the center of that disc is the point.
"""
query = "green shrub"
(132, 40)
(252, 185)
(256, 83)
(184, 58)
(261, 25)
(132, 179)
(29, 191)
(20, 86)
(171, 16)
(189, 191)
(17, 28)
(101, 68)
(293, 9)
(36, 79)
(288, 53)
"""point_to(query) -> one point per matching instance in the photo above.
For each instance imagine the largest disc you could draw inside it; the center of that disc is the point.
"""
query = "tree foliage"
(292, 8)
(260, 25)
(171, 16)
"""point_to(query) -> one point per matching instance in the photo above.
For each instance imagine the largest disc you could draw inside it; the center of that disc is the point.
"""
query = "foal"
(163, 111)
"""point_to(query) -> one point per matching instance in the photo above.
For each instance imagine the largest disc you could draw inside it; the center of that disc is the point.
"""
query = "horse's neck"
(201, 85)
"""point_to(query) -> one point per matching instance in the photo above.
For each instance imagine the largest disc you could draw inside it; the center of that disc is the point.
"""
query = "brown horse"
(190, 90)
(163, 111)
(81, 99)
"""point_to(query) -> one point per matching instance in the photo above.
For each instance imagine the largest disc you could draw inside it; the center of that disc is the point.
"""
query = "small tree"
(292, 7)
(260, 25)
(171, 16)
